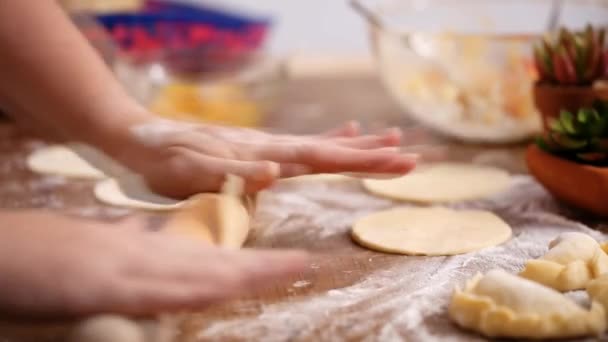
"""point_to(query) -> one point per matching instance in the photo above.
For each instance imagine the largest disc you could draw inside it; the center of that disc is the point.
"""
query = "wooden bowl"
(581, 186)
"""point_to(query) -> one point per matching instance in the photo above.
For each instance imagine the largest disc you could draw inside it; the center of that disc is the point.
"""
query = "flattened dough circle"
(442, 182)
(62, 161)
(430, 231)
(132, 193)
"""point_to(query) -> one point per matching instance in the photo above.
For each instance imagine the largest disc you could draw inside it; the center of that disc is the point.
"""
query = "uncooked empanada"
(598, 290)
(500, 304)
(572, 261)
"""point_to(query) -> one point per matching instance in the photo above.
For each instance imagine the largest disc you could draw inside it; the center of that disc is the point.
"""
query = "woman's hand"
(52, 265)
(180, 159)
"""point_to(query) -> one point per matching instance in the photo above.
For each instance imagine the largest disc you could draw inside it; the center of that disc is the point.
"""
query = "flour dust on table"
(401, 301)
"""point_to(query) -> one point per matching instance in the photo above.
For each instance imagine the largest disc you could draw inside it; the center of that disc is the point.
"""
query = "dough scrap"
(430, 231)
(572, 261)
(64, 160)
(132, 192)
(442, 182)
(500, 304)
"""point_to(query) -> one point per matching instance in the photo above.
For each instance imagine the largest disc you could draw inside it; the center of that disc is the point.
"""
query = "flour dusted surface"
(392, 298)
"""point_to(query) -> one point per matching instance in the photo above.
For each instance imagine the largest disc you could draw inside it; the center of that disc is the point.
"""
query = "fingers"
(331, 158)
(202, 173)
(429, 153)
(294, 170)
(391, 137)
(349, 129)
(415, 135)
(184, 283)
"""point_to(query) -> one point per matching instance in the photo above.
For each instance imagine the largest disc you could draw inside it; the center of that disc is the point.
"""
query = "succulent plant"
(572, 58)
(580, 136)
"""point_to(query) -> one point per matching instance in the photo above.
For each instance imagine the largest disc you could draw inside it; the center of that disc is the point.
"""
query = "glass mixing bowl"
(465, 67)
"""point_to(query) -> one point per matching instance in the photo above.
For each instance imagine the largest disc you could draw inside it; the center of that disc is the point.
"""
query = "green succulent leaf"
(567, 142)
(556, 126)
(591, 124)
(566, 120)
(582, 136)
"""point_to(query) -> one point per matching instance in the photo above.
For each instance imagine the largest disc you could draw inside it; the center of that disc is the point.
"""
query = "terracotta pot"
(551, 99)
(581, 186)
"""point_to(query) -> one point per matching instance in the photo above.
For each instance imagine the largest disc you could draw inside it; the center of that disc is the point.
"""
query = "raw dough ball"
(132, 192)
(571, 262)
(500, 304)
(107, 329)
(63, 161)
(442, 182)
(430, 231)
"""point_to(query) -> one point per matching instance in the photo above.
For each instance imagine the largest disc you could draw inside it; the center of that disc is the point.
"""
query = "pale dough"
(132, 192)
(500, 304)
(573, 259)
(442, 182)
(65, 161)
(598, 290)
(219, 219)
(107, 328)
(430, 231)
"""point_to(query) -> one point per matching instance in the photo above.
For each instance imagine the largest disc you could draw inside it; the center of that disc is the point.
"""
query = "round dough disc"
(430, 231)
(62, 161)
(132, 193)
(442, 182)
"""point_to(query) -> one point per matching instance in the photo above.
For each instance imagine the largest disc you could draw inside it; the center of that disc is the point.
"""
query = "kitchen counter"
(349, 293)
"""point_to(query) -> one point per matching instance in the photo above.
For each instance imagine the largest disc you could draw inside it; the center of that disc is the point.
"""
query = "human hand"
(52, 265)
(181, 159)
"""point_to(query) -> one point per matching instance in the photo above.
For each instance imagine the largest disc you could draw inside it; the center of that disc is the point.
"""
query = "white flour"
(400, 302)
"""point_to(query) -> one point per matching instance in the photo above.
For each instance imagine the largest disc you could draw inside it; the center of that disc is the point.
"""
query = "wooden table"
(349, 293)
